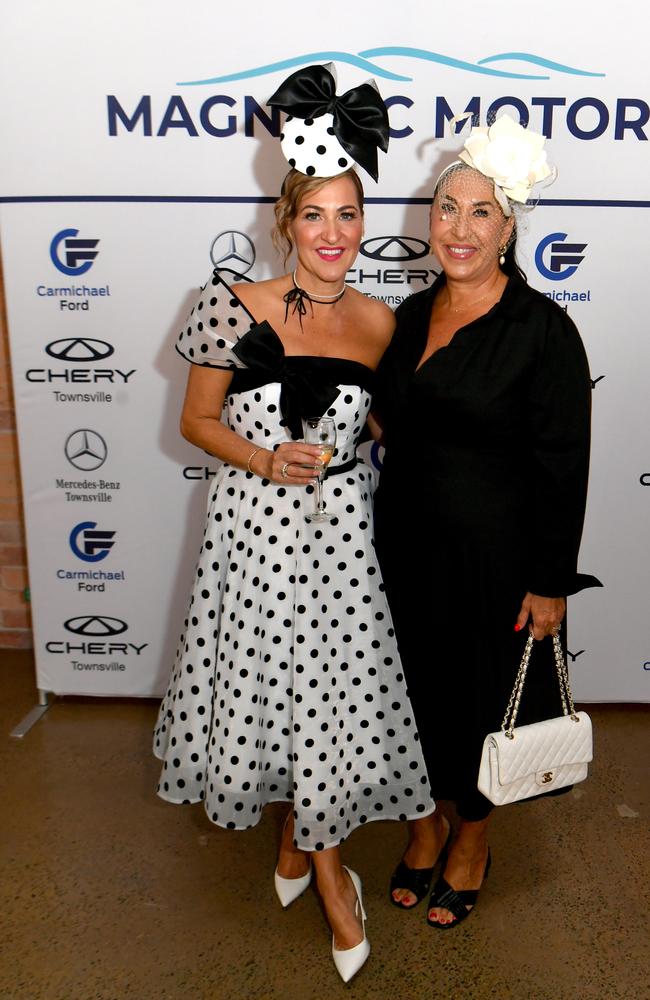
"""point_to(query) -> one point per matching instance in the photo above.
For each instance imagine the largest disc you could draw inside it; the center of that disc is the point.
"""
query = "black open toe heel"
(416, 880)
(454, 900)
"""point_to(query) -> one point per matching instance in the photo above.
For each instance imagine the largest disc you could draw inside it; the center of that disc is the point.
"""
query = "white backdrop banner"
(139, 152)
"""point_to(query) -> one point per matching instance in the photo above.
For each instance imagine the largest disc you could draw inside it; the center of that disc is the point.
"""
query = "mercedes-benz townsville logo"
(394, 248)
(86, 450)
(85, 349)
(98, 626)
(234, 250)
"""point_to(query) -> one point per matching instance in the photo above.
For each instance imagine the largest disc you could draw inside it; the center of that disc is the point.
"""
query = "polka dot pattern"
(287, 683)
(311, 146)
(217, 321)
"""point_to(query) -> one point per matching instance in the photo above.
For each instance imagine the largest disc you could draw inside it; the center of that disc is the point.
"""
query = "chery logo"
(95, 625)
(394, 248)
(85, 349)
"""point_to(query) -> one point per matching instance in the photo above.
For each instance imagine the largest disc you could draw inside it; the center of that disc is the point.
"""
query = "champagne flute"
(321, 432)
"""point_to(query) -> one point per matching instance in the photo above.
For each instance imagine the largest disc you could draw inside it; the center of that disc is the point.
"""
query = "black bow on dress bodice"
(307, 389)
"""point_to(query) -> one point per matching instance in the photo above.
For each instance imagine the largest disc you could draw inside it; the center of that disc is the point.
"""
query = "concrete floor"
(110, 893)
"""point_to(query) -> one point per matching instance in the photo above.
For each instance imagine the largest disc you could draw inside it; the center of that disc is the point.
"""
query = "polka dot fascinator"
(325, 134)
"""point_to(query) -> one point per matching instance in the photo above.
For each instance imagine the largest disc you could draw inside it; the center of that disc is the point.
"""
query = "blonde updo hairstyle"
(295, 187)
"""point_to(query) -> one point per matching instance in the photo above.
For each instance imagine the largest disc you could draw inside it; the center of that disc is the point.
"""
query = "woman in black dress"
(484, 396)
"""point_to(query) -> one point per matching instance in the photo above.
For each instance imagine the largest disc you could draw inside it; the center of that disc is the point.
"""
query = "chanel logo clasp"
(546, 777)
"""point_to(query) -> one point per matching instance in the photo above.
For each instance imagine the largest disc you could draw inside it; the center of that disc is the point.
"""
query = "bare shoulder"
(376, 318)
(256, 295)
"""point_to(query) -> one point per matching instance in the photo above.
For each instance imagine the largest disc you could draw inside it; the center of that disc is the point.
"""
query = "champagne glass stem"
(320, 506)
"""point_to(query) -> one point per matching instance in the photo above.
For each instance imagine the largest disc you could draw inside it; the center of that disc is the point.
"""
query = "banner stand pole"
(32, 717)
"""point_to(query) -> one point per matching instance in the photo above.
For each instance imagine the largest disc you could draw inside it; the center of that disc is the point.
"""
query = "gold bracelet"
(250, 459)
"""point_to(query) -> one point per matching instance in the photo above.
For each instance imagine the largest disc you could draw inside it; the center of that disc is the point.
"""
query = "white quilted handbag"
(517, 763)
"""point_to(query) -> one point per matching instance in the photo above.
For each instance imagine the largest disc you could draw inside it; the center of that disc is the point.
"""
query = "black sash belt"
(336, 470)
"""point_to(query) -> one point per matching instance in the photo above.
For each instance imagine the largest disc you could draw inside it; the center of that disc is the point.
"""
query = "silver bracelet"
(250, 459)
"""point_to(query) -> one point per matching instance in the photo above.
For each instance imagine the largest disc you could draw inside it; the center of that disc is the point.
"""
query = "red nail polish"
(517, 628)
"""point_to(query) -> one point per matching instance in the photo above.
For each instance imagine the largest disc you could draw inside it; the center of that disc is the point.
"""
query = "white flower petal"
(504, 126)
(518, 192)
(511, 155)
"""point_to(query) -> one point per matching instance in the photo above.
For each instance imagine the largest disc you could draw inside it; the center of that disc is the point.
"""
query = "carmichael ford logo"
(556, 259)
(71, 255)
(90, 543)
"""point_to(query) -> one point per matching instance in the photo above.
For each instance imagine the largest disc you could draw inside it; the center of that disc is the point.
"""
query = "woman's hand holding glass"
(323, 433)
(291, 464)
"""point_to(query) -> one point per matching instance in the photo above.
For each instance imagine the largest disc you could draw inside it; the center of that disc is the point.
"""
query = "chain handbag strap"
(512, 710)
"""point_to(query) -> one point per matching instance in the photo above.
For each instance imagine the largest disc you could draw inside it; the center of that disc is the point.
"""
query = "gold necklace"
(457, 309)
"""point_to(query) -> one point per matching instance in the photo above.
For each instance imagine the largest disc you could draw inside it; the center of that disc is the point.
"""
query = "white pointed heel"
(349, 960)
(288, 889)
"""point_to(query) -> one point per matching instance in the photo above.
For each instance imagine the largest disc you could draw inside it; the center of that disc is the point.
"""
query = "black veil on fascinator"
(325, 135)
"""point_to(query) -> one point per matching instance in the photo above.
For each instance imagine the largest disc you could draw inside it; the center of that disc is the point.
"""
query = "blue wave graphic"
(362, 61)
(539, 61)
(436, 57)
(310, 57)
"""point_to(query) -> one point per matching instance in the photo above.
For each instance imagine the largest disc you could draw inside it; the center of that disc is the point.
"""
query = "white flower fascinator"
(512, 156)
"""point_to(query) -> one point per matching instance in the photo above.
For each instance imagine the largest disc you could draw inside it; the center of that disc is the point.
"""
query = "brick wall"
(15, 631)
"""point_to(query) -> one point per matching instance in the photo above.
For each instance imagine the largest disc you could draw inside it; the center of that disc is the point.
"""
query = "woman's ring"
(283, 471)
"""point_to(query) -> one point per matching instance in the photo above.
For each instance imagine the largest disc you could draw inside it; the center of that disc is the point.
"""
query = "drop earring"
(502, 257)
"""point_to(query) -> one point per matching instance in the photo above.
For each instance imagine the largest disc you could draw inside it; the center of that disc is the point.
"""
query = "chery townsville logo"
(95, 634)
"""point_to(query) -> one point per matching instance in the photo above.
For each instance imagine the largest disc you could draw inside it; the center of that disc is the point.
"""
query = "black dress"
(481, 499)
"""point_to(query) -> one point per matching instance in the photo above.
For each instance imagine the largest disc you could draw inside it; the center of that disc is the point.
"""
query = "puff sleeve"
(217, 321)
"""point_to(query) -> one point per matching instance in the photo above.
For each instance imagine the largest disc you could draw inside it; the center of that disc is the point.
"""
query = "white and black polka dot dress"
(287, 683)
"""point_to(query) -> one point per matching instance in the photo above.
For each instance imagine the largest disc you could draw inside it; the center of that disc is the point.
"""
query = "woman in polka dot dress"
(287, 684)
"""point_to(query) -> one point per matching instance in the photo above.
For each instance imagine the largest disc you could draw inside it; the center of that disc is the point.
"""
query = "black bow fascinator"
(325, 134)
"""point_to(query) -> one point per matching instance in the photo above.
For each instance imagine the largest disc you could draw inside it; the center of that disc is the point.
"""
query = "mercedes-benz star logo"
(79, 349)
(398, 248)
(95, 625)
(86, 450)
(233, 250)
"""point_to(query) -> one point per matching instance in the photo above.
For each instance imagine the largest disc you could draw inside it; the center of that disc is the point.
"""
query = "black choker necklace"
(296, 296)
